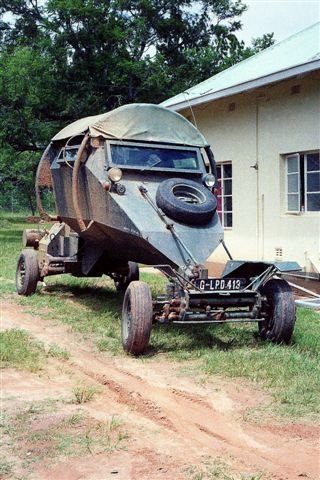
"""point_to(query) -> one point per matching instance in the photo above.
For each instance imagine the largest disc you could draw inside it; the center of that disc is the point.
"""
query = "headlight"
(209, 180)
(115, 174)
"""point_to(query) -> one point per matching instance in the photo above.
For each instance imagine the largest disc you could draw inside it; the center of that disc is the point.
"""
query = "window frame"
(222, 195)
(306, 171)
(298, 172)
(302, 172)
(200, 170)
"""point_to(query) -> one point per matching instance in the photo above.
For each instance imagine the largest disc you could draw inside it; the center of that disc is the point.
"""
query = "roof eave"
(250, 85)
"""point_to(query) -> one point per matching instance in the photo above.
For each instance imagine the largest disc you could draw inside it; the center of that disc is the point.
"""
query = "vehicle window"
(144, 157)
(69, 154)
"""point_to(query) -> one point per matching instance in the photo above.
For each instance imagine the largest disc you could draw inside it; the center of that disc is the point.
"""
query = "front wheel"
(136, 318)
(27, 273)
(280, 312)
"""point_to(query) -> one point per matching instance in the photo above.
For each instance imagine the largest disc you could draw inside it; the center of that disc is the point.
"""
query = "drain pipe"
(256, 167)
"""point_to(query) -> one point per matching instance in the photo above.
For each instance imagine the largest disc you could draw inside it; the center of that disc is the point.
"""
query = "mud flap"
(248, 269)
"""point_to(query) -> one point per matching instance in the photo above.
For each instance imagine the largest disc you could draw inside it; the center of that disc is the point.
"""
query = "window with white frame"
(303, 182)
(224, 193)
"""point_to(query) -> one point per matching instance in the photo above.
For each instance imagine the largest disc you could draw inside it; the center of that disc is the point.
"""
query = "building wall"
(258, 130)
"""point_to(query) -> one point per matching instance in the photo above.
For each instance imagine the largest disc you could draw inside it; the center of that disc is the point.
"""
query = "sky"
(283, 17)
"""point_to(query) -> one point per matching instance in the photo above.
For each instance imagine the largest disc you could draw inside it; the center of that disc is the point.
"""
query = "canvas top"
(138, 122)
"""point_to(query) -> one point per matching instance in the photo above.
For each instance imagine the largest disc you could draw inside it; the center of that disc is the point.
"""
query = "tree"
(65, 59)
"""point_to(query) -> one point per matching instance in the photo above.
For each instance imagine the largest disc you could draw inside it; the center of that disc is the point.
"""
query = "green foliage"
(61, 60)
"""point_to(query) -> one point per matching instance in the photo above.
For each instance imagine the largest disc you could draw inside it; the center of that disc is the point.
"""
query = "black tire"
(122, 281)
(281, 312)
(186, 201)
(136, 318)
(27, 272)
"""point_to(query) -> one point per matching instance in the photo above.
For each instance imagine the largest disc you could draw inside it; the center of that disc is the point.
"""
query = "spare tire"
(186, 201)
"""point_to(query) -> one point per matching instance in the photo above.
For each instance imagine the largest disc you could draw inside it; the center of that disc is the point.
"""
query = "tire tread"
(139, 295)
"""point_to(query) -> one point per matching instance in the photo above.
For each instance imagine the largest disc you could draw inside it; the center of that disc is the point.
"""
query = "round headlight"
(209, 180)
(115, 174)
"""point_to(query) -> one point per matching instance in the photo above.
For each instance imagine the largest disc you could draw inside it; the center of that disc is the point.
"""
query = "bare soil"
(175, 423)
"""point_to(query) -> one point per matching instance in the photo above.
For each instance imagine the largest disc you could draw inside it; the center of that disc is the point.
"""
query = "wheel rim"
(126, 320)
(188, 194)
(21, 273)
(267, 325)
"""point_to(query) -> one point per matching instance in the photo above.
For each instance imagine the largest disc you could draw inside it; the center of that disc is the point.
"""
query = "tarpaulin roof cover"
(138, 121)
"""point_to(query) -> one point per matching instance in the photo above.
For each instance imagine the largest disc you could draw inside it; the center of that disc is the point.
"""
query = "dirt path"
(174, 422)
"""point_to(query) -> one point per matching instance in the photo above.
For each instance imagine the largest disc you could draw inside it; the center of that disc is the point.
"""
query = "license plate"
(226, 284)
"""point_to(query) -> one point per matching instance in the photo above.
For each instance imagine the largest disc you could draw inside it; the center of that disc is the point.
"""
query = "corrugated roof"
(296, 54)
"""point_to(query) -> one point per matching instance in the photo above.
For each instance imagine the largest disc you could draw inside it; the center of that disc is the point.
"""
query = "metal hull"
(126, 227)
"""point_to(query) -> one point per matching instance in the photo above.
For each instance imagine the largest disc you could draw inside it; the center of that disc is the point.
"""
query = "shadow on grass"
(196, 338)
(167, 338)
(93, 297)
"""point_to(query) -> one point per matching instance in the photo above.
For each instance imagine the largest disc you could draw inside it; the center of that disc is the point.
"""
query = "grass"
(41, 432)
(84, 393)
(19, 350)
(58, 352)
(291, 374)
(5, 467)
(220, 469)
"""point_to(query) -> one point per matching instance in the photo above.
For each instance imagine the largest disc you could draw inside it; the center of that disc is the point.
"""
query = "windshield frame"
(155, 168)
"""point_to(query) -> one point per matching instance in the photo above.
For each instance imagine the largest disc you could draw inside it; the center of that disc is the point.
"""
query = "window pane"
(313, 162)
(228, 187)
(153, 157)
(228, 219)
(313, 182)
(293, 203)
(224, 197)
(227, 171)
(313, 202)
(292, 163)
(293, 183)
(227, 203)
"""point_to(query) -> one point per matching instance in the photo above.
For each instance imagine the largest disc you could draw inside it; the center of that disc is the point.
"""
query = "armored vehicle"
(135, 186)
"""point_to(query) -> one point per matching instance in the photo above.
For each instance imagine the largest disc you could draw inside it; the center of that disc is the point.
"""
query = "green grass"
(84, 393)
(58, 352)
(43, 429)
(19, 350)
(291, 374)
(220, 469)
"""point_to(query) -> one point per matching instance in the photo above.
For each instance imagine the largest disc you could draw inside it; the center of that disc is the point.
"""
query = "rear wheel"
(136, 318)
(280, 312)
(27, 273)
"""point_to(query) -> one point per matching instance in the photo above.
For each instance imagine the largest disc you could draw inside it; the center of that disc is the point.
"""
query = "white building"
(262, 119)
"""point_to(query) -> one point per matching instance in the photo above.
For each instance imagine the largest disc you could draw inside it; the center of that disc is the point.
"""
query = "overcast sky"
(283, 17)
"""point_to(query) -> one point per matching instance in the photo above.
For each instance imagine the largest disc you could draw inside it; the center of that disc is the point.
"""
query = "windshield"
(149, 157)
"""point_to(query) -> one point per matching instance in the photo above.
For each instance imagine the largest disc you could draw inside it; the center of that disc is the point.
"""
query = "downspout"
(259, 220)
